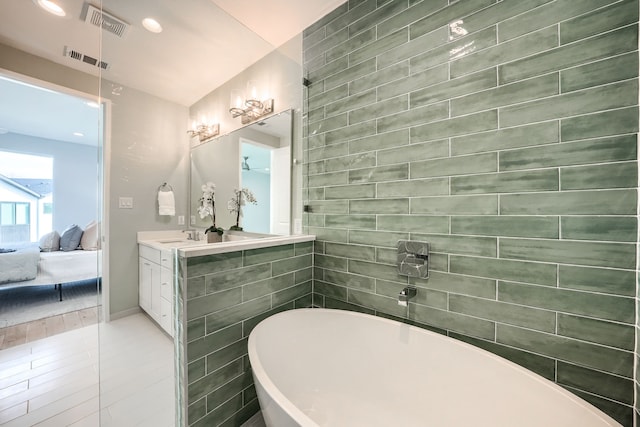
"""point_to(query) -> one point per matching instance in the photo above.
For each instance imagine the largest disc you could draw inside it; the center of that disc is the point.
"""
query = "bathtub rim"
(261, 376)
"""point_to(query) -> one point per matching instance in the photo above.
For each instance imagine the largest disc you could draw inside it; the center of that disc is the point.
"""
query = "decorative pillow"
(50, 242)
(89, 240)
(70, 238)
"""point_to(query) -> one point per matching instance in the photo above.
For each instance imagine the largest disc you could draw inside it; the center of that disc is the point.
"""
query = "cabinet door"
(166, 259)
(145, 284)
(166, 283)
(166, 292)
(156, 291)
(166, 317)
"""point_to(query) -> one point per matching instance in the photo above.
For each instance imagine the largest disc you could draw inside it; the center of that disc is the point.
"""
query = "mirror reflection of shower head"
(245, 165)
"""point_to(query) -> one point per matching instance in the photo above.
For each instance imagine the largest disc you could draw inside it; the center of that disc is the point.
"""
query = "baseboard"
(125, 313)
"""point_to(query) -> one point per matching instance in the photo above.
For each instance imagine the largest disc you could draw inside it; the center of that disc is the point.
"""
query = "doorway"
(66, 127)
(265, 170)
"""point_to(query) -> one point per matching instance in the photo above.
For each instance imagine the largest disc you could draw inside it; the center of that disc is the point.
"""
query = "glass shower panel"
(49, 107)
(152, 74)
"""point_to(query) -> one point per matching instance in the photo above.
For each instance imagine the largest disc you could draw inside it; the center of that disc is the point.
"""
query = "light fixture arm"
(253, 110)
(205, 132)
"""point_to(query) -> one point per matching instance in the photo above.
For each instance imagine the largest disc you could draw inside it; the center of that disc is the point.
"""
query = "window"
(14, 213)
(22, 213)
(26, 197)
(6, 214)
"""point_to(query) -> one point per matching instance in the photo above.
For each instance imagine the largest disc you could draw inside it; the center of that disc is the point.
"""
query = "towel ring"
(165, 187)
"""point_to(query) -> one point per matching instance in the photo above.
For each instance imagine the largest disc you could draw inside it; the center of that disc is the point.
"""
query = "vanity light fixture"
(251, 107)
(204, 132)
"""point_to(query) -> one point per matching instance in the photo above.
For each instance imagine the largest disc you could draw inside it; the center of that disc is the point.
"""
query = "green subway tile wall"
(505, 134)
(226, 296)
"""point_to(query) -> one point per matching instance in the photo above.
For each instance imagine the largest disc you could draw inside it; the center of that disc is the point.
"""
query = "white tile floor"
(255, 421)
(126, 378)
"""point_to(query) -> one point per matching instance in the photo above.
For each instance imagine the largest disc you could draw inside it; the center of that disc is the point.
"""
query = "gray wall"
(149, 146)
(512, 150)
(17, 61)
(75, 177)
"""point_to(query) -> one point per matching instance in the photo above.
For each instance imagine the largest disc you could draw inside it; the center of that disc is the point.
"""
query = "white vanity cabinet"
(154, 287)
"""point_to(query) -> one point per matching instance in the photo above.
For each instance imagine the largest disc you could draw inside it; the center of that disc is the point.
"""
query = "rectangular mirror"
(256, 157)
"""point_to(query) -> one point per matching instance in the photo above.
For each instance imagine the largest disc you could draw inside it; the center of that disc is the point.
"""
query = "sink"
(235, 236)
(176, 242)
(179, 242)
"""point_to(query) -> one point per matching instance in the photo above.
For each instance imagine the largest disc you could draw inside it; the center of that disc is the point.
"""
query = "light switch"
(125, 203)
(180, 219)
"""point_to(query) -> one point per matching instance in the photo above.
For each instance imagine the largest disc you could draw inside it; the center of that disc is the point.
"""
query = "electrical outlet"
(193, 220)
(180, 219)
(125, 203)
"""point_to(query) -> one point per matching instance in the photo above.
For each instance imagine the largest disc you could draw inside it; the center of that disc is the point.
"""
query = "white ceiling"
(31, 110)
(204, 44)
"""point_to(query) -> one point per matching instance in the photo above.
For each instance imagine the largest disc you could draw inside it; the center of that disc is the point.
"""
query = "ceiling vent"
(106, 21)
(79, 56)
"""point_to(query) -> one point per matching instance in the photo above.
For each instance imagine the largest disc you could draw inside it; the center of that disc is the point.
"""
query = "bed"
(27, 266)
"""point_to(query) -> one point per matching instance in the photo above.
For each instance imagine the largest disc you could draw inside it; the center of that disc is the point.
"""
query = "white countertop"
(175, 239)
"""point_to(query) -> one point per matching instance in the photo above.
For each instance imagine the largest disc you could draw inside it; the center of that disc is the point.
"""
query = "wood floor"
(28, 332)
(106, 374)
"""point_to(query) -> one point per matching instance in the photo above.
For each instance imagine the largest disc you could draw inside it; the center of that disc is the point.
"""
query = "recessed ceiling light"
(51, 7)
(78, 134)
(152, 25)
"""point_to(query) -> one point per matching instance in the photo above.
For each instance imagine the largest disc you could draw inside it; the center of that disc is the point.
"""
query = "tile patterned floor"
(124, 378)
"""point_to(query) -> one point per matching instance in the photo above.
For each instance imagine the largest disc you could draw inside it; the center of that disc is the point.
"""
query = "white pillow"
(90, 240)
(50, 242)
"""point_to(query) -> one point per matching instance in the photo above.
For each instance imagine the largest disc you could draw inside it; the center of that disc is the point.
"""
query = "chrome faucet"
(406, 294)
(192, 234)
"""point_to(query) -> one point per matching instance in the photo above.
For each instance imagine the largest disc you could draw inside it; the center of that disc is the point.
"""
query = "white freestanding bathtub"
(319, 367)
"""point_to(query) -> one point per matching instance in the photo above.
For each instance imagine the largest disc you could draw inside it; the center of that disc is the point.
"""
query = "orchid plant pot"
(214, 238)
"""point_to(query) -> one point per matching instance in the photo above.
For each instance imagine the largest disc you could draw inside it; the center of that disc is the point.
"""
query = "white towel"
(166, 203)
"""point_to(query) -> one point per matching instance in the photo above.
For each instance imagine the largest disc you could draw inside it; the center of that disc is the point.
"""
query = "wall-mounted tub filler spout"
(405, 295)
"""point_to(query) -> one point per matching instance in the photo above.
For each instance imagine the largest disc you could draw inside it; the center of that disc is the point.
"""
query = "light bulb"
(152, 25)
(236, 99)
(51, 7)
(252, 90)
